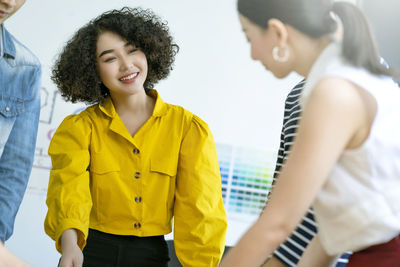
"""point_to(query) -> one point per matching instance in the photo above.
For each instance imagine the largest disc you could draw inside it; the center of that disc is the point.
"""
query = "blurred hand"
(72, 256)
(7, 259)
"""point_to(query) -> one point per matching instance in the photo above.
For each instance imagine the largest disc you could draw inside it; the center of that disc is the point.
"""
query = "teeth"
(129, 77)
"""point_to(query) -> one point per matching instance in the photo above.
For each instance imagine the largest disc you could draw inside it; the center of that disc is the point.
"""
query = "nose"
(8, 3)
(126, 63)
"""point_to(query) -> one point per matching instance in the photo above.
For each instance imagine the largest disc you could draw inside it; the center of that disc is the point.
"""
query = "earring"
(277, 57)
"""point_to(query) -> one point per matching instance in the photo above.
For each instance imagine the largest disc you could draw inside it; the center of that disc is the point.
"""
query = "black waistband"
(108, 236)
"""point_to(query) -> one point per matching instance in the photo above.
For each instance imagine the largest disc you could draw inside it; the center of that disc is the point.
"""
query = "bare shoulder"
(338, 103)
(337, 91)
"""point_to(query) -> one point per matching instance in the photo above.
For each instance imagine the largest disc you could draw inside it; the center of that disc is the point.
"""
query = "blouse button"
(136, 151)
(138, 199)
(137, 175)
(7, 109)
(137, 225)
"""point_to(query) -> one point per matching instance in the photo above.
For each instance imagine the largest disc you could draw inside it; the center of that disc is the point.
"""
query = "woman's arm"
(68, 196)
(315, 255)
(273, 262)
(335, 112)
(199, 217)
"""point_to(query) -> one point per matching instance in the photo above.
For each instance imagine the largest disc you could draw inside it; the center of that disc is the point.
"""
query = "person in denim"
(20, 74)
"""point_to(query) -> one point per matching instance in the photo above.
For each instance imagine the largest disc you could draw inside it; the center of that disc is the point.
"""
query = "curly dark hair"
(75, 71)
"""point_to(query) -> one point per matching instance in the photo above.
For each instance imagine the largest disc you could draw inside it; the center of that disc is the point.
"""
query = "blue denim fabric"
(20, 74)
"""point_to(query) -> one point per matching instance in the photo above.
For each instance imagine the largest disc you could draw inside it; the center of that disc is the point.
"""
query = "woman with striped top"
(345, 161)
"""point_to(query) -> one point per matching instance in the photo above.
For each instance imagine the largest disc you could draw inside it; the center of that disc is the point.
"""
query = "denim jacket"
(20, 74)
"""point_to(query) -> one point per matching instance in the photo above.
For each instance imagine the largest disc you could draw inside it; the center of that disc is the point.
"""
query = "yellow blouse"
(105, 179)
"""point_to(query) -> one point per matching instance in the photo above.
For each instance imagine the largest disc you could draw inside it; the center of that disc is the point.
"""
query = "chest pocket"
(163, 169)
(11, 107)
(101, 164)
(165, 166)
(105, 187)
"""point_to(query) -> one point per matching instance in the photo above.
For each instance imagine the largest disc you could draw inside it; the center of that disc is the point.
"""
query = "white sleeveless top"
(359, 205)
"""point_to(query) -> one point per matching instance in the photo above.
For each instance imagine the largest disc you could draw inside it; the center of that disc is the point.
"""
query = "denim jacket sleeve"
(19, 118)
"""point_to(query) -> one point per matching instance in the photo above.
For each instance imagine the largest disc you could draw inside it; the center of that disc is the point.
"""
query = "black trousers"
(107, 250)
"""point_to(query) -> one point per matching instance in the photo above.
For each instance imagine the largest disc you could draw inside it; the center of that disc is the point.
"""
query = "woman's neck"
(138, 103)
(308, 50)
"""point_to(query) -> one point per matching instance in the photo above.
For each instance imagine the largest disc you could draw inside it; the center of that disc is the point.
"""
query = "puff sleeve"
(68, 198)
(199, 216)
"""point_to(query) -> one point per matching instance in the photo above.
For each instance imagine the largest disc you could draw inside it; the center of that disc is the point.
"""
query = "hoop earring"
(277, 57)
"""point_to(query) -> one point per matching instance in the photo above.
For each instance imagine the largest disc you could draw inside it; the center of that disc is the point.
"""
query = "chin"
(280, 75)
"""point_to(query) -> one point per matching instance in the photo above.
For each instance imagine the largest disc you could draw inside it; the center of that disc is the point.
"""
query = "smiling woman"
(124, 167)
(120, 62)
(81, 54)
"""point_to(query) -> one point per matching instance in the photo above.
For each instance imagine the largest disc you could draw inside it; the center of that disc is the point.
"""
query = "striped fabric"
(290, 252)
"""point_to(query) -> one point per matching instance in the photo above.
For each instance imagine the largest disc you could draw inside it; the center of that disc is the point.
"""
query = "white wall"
(214, 77)
(384, 19)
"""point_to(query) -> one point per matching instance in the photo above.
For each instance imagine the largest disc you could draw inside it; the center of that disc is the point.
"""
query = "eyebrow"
(111, 50)
(106, 52)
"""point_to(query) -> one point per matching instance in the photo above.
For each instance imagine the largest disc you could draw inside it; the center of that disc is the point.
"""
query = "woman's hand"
(71, 253)
(71, 257)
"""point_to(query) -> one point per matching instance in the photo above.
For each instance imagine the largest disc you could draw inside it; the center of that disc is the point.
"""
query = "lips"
(129, 78)
(3, 14)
